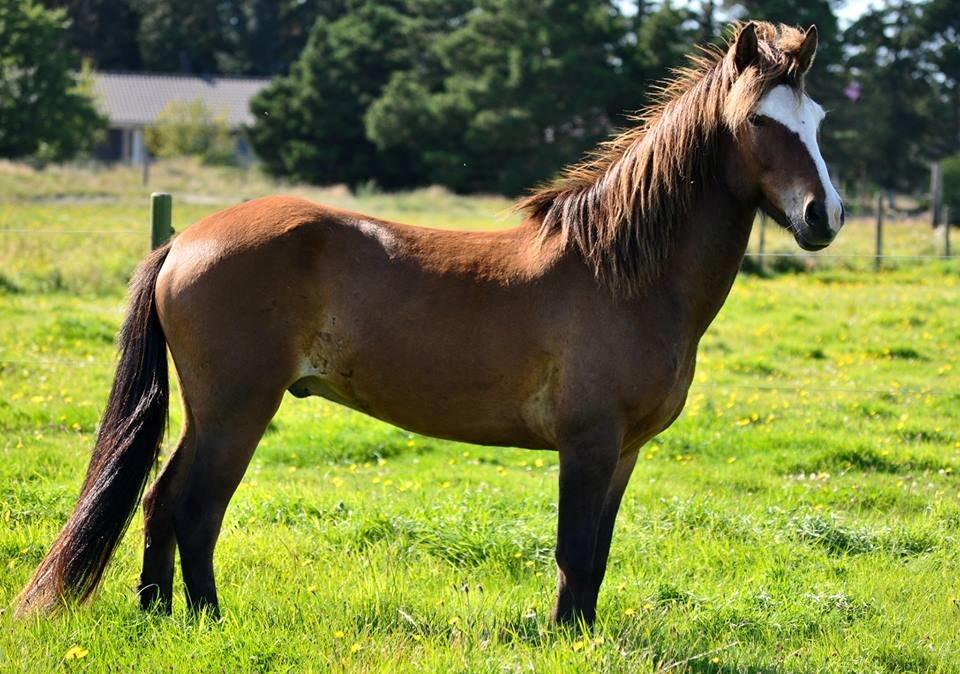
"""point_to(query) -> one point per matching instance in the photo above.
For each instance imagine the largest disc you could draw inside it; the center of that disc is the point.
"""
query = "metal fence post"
(161, 214)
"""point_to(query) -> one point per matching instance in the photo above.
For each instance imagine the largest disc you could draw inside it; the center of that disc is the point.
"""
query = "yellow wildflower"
(76, 653)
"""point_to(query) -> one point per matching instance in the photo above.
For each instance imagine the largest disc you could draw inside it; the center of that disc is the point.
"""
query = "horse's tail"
(127, 446)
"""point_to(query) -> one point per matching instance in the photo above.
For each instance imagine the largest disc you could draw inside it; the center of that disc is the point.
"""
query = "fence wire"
(5, 230)
(864, 256)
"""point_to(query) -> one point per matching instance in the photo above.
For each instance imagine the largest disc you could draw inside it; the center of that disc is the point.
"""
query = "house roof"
(135, 99)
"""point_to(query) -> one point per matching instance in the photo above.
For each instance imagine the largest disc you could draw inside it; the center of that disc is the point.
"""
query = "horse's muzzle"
(815, 232)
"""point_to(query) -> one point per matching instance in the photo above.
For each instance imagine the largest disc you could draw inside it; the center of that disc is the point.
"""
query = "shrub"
(190, 128)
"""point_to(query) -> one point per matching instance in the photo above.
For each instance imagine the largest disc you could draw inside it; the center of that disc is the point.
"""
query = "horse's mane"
(619, 207)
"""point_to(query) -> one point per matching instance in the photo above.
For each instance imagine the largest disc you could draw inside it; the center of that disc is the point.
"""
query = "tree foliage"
(263, 37)
(500, 94)
(310, 123)
(179, 35)
(492, 95)
(885, 44)
(236, 37)
(102, 31)
(941, 30)
(522, 88)
(45, 106)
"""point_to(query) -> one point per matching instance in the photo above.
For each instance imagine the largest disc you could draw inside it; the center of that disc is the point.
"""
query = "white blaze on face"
(802, 115)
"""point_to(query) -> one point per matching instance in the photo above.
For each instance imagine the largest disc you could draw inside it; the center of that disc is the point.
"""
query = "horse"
(575, 331)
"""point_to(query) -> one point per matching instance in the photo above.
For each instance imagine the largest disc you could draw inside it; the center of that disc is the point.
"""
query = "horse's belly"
(453, 401)
(429, 419)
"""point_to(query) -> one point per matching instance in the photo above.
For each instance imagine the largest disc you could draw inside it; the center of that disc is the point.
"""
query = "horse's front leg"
(587, 465)
(608, 518)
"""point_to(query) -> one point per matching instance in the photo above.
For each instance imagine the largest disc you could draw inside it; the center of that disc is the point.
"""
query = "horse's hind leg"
(159, 545)
(226, 437)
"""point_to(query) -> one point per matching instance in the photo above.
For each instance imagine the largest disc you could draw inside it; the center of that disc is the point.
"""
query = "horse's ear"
(745, 47)
(808, 50)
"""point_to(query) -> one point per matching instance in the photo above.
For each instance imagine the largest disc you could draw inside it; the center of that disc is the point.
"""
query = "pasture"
(801, 515)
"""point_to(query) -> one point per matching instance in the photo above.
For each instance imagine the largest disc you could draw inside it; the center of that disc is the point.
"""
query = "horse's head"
(776, 126)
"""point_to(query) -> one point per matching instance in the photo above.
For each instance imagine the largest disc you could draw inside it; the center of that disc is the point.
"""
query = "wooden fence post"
(161, 213)
(878, 260)
(946, 231)
(936, 193)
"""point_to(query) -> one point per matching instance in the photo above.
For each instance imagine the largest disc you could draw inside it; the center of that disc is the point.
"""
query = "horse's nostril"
(843, 214)
(812, 214)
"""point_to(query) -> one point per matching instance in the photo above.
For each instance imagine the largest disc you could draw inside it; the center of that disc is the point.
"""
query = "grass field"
(801, 516)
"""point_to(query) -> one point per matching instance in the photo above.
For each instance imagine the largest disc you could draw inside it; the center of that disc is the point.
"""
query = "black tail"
(127, 446)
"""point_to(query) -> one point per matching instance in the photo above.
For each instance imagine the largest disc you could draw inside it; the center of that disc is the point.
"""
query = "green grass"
(802, 515)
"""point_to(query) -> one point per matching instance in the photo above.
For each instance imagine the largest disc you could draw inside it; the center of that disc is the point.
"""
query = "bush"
(191, 129)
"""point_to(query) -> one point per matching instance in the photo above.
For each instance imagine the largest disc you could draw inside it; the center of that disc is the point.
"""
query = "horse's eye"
(755, 120)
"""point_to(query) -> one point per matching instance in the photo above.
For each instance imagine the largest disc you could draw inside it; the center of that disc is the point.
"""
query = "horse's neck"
(706, 254)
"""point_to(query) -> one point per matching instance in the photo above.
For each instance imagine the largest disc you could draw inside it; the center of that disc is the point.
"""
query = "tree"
(179, 35)
(104, 32)
(497, 95)
(523, 89)
(240, 37)
(658, 41)
(263, 37)
(45, 107)
(309, 123)
(887, 123)
(941, 26)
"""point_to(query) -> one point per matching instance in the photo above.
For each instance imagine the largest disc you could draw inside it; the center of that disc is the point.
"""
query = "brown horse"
(575, 331)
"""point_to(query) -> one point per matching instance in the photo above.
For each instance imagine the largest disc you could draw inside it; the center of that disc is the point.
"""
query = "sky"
(851, 10)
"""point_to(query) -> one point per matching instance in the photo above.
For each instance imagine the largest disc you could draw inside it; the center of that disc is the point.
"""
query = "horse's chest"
(650, 418)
